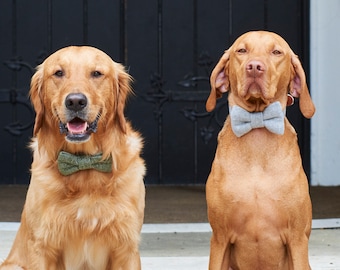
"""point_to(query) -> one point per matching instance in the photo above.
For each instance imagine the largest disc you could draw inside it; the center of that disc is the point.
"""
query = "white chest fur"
(93, 254)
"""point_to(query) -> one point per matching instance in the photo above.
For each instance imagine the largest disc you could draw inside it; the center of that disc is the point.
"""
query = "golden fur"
(257, 192)
(89, 219)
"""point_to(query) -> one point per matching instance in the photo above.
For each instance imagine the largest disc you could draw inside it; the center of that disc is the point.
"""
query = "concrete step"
(186, 246)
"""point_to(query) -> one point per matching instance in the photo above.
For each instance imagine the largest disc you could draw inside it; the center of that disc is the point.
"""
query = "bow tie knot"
(69, 163)
(272, 118)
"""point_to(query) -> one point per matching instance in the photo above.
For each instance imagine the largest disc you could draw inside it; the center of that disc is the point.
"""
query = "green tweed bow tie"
(69, 163)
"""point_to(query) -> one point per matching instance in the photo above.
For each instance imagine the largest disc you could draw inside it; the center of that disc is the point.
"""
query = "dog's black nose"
(76, 101)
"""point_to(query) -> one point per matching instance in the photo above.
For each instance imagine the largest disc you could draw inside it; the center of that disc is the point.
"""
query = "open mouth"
(78, 130)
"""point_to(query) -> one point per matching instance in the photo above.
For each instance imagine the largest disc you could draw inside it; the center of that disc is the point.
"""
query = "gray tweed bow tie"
(69, 163)
(272, 118)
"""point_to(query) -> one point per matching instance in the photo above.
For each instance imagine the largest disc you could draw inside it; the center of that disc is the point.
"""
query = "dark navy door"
(169, 47)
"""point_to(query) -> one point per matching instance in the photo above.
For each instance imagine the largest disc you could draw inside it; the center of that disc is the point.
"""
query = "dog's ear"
(36, 98)
(219, 81)
(298, 87)
(123, 91)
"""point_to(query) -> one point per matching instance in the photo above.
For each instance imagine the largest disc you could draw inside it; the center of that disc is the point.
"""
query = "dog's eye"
(242, 50)
(277, 52)
(59, 73)
(96, 74)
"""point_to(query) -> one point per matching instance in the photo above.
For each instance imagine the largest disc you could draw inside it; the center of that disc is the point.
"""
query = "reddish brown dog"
(257, 192)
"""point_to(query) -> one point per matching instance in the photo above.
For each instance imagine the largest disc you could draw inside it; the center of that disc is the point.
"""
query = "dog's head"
(79, 91)
(258, 69)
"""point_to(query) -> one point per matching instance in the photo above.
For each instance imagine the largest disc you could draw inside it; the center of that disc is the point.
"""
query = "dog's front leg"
(298, 254)
(44, 263)
(219, 253)
(125, 260)
(133, 262)
(43, 257)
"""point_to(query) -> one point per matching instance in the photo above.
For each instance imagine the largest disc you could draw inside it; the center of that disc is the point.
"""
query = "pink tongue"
(76, 126)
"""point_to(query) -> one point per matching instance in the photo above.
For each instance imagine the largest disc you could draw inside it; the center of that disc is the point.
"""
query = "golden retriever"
(90, 217)
(257, 191)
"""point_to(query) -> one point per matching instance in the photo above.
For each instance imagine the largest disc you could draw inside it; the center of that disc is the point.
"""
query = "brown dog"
(257, 192)
(85, 204)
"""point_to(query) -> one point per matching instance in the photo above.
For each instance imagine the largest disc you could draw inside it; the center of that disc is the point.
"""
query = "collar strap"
(290, 100)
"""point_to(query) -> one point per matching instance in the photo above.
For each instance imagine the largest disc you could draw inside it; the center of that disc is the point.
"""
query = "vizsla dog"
(257, 192)
(85, 204)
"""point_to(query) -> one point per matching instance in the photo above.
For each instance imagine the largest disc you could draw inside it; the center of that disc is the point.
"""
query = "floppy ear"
(123, 90)
(298, 88)
(219, 82)
(36, 99)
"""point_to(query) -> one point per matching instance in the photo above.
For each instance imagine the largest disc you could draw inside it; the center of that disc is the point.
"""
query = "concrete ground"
(169, 242)
(185, 246)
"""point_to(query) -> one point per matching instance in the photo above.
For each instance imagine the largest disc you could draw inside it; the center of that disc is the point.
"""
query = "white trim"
(324, 58)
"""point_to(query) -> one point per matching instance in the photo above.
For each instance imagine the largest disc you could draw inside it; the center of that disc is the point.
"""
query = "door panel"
(169, 47)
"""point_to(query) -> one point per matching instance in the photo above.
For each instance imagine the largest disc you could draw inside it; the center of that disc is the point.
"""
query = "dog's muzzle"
(78, 129)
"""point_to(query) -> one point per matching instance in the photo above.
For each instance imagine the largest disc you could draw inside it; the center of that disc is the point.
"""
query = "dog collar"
(290, 100)
(69, 163)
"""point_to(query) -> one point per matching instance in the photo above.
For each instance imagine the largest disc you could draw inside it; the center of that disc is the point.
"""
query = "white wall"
(325, 91)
